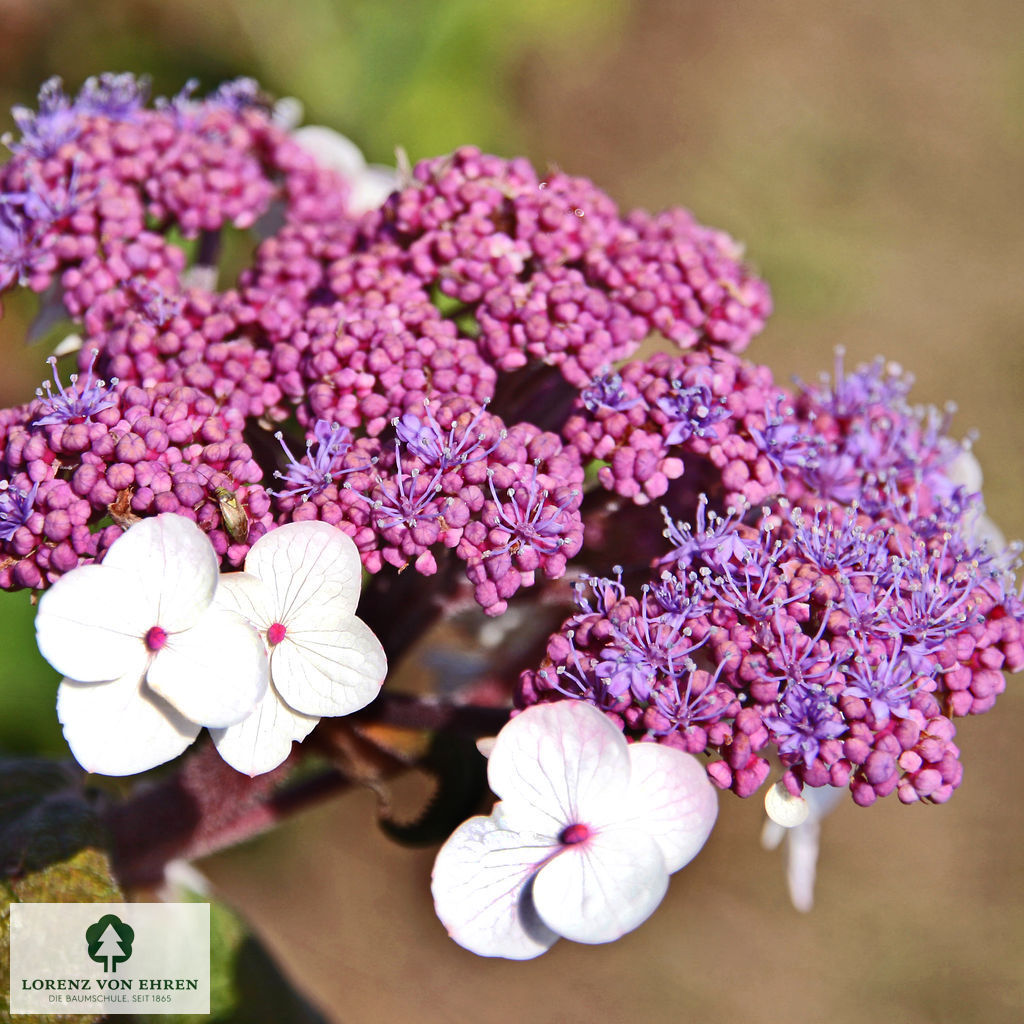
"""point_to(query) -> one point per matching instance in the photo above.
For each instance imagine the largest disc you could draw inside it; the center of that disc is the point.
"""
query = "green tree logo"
(110, 942)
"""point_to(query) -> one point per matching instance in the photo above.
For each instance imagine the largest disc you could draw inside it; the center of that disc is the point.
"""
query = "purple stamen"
(15, 508)
(426, 439)
(529, 518)
(77, 403)
(319, 468)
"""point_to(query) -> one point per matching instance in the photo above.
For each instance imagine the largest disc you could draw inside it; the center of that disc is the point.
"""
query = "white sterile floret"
(802, 842)
(148, 659)
(582, 842)
(72, 343)
(965, 471)
(371, 184)
(300, 589)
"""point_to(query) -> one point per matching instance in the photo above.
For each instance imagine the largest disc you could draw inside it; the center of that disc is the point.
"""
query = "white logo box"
(110, 958)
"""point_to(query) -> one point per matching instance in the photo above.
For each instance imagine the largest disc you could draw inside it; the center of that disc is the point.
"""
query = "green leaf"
(590, 478)
(28, 686)
(52, 849)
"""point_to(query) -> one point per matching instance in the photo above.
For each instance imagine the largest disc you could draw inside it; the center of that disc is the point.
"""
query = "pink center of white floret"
(573, 834)
(156, 637)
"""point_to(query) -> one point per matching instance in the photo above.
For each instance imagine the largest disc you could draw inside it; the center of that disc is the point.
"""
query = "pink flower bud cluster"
(143, 451)
(655, 417)
(549, 271)
(191, 338)
(101, 208)
(194, 165)
(369, 357)
(687, 281)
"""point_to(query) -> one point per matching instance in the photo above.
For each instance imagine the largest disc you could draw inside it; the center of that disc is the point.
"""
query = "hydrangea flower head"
(299, 589)
(148, 658)
(582, 842)
(460, 347)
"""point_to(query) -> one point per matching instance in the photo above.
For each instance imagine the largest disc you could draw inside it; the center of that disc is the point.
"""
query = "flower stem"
(205, 807)
(208, 806)
(410, 712)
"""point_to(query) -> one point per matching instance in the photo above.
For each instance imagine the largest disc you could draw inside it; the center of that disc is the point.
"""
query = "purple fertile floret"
(77, 403)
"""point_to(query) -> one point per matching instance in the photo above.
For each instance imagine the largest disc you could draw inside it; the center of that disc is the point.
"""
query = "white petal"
(249, 596)
(287, 112)
(481, 888)
(262, 741)
(329, 671)
(120, 727)
(71, 343)
(310, 568)
(331, 149)
(175, 561)
(802, 863)
(599, 889)
(91, 622)
(965, 470)
(558, 764)
(983, 529)
(198, 276)
(371, 187)
(823, 800)
(214, 673)
(802, 845)
(672, 799)
(772, 834)
(783, 808)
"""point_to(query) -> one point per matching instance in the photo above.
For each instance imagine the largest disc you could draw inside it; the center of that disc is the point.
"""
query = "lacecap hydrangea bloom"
(445, 365)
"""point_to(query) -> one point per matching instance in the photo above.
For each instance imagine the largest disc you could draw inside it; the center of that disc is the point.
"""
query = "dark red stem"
(207, 805)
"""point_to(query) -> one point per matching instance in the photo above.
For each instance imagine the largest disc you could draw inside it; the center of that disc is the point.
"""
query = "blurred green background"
(871, 156)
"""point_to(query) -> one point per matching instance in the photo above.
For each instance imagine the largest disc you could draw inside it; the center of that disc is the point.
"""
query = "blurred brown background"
(871, 155)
